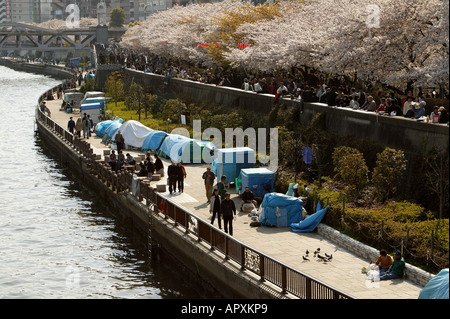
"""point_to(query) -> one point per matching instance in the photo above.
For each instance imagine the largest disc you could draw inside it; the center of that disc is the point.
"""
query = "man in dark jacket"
(227, 209)
(172, 173)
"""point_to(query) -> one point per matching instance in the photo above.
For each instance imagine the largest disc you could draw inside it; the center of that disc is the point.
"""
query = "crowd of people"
(295, 87)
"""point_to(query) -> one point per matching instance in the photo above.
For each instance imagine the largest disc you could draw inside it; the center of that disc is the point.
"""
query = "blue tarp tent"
(259, 180)
(154, 140)
(101, 127)
(93, 100)
(111, 131)
(310, 222)
(437, 287)
(230, 162)
(280, 210)
(184, 149)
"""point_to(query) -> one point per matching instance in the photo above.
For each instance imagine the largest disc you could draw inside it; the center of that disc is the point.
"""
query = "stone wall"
(397, 132)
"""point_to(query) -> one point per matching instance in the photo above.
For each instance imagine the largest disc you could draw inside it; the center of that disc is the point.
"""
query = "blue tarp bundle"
(310, 222)
(101, 127)
(280, 210)
(154, 140)
(259, 180)
(111, 131)
(91, 106)
(437, 287)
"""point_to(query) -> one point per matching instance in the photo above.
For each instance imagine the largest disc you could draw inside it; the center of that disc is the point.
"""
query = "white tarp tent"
(134, 133)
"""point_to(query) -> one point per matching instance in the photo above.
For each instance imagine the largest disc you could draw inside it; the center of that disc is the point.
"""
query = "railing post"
(175, 216)
(226, 247)
(261, 267)
(242, 257)
(283, 279)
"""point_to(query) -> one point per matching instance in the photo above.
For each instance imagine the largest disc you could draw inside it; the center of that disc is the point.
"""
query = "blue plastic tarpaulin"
(307, 155)
(258, 180)
(437, 287)
(101, 127)
(280, 210)
(111, 131)
(310, 222)
(154, 140)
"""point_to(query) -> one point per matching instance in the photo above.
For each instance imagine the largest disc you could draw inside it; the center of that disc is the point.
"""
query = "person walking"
(214, 208)
(79, 127)
(172, 173)
(227, 208)
(209, 178)
(86, 126)
(71, 125)
(181, 176)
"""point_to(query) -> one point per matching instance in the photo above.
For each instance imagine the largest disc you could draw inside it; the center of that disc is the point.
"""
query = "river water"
(57, 240)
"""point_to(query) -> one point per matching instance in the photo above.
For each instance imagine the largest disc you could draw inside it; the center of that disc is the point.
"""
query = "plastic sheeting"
(230, 162)
(437, 287)
(280, 210)
(259, 180)
(111, 131)
(134, 133)
(181, 148)
(154, 140)
(101, 127)
(310, 222)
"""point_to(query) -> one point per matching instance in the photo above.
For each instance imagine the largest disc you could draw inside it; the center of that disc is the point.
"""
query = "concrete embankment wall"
(57, 72)
(396, 132)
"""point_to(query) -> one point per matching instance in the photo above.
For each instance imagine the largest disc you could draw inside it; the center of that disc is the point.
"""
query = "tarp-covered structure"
(310, 222)
(100, 128)
(280, 210)
(111, 130)
(258, 180)
(230, 162)
(154, 140)
(180, 148)
(437, 287)
(134, 133)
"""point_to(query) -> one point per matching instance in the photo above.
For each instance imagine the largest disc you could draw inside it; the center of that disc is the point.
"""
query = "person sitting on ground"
(384, 261)
(130, 159)
(113, 160)
(247, 197)
(434, 116)
(120, 160)
(143, 171)
(396, 270)
(443, 118)
(382, 107)
(354, 102)
(369, 105)
(159, 166)
(394, 109)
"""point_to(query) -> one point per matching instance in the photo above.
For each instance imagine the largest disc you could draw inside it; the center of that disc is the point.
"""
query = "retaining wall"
(396, 132)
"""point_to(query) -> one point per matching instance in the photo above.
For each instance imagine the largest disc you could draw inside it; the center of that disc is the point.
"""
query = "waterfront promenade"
(342, 273)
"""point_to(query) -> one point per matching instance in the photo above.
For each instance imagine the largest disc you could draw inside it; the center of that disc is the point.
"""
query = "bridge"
(20, 36)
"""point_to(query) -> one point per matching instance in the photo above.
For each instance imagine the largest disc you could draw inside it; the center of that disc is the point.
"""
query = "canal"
(57, 240)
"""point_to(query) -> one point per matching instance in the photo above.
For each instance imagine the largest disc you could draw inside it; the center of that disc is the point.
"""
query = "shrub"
(389, 173)
(351, 169)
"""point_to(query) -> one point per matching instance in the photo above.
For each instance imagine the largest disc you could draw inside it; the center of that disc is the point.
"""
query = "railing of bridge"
(246, 258)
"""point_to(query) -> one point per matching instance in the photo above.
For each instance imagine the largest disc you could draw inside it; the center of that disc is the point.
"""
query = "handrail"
(267, 268)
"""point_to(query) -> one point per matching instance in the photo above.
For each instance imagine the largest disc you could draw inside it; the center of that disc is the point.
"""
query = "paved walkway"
(342, 273)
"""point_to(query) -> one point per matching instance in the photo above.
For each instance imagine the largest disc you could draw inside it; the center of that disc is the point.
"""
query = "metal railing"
(289, 280)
